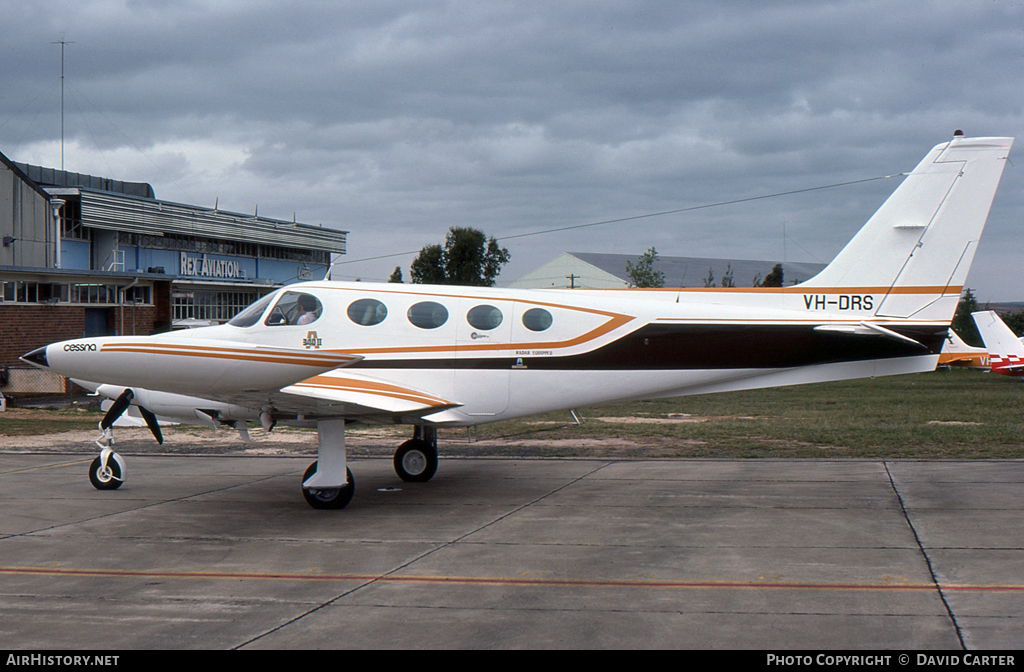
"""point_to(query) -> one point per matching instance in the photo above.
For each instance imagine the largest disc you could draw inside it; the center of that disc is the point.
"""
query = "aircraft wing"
(365, 395)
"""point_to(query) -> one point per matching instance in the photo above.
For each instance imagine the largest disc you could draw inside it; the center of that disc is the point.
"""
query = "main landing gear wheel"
(416, 461)
(328, 498)
(107, 476)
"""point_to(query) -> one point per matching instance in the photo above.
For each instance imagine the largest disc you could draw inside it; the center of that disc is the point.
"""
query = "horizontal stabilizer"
(867, 329)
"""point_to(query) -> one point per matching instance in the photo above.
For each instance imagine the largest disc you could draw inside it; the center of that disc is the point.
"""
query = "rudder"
(918, 247)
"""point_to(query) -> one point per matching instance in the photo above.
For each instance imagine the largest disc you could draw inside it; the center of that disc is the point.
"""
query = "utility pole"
(62, 42)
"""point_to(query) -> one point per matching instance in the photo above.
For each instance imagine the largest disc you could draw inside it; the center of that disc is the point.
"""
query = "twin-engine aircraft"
(1005, 351)
(327, 354)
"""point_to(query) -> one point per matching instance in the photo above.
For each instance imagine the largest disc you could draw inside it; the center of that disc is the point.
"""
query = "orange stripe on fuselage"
(793, 289)
(318, 359)
(371, 387)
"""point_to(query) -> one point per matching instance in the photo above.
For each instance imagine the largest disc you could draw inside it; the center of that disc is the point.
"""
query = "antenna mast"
(62, 42)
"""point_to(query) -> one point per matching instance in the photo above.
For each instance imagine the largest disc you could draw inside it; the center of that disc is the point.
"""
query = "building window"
(22, 291)
(209, 305)
(71, 222)
(137, 295)
(202, 245)
(94, 293)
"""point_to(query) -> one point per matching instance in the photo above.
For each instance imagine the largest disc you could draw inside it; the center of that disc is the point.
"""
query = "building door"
(95, 322)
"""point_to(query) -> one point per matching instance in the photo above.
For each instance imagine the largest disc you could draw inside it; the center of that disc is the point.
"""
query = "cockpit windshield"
(296, 308)
(252, 314)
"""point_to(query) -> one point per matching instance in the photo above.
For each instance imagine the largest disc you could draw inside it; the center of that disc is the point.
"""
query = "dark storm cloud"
(396, 120)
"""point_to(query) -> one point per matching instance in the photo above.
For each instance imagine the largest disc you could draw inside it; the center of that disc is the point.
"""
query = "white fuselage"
(529, 351)
(461, 355)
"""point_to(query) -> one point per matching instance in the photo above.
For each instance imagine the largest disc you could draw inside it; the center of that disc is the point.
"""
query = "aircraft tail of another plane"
(956, 352)
(1005, 351)
(917, 248)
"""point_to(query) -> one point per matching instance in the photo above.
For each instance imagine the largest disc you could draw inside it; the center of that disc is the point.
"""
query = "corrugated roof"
(117, 212)
(692, 271)
(52, 177)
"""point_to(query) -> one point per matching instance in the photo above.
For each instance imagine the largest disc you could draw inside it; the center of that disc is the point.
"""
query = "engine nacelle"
(180, 407)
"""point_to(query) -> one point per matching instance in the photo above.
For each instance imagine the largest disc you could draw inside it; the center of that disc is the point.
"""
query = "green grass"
(900, 416)
(31, 421)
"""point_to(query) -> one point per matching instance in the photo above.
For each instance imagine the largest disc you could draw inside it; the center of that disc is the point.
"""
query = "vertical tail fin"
(1005, 350)
(918, 247)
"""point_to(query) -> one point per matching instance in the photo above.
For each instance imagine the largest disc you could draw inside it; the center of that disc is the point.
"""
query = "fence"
(29, 380)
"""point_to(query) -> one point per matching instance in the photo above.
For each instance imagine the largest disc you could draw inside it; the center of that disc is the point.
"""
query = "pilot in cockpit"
(308, 306)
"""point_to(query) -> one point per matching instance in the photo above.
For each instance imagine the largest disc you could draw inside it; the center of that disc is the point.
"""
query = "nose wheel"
(107, 471)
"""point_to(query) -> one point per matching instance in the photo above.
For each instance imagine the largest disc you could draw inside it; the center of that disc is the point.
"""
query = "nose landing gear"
(108, 471)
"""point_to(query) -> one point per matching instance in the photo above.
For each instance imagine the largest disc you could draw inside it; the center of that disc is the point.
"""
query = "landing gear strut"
(416, 459)
(328, 482)
(107, 472)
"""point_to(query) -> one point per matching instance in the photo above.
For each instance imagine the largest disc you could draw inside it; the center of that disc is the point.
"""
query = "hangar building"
(591, 270)
(86, 256)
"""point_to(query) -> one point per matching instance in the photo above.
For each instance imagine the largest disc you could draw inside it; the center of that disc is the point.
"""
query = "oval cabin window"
(428, 315)
(484, 318)
(367, 312)
(537, 319)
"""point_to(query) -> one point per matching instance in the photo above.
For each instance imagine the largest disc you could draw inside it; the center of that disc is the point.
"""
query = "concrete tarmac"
(223, 553)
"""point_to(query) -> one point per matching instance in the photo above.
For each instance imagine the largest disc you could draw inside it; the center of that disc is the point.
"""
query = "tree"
(727, 280)
(963, 323)
(396, 276)
(642, 274)
(467, 258)
(428, 267)
(1015, 321)
(773, 279)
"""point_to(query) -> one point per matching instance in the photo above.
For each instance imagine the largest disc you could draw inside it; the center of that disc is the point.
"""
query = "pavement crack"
(927, 559)
(425, 554)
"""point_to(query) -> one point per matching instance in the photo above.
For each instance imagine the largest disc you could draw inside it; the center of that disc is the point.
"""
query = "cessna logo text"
(80, 347)
(210, 268)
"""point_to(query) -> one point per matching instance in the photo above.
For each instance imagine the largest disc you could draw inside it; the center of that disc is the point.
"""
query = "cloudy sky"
(396, 120)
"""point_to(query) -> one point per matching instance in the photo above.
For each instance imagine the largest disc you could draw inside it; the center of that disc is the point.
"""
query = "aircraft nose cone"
(37, 358)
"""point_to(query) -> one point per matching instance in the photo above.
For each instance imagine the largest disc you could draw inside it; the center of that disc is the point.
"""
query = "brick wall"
(25, 327)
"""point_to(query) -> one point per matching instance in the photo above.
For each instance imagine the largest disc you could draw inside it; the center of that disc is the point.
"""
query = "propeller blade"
(153, 425)
(121, 404)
